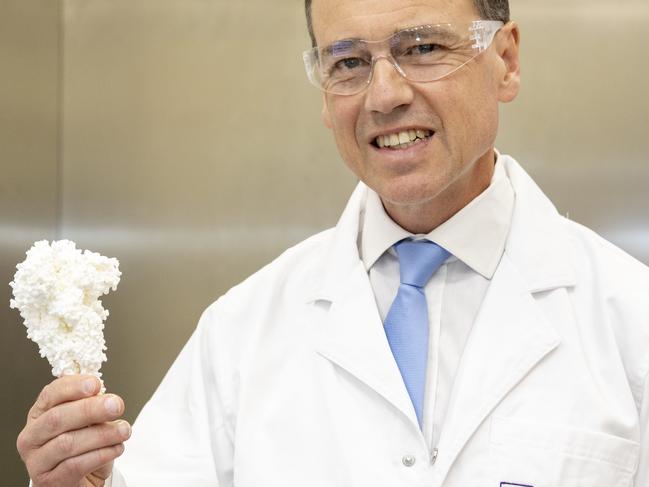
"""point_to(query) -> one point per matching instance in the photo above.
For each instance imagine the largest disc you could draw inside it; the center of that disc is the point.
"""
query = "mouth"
(402, 139)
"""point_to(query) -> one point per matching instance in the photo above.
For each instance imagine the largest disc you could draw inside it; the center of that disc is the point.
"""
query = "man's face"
(459, 112)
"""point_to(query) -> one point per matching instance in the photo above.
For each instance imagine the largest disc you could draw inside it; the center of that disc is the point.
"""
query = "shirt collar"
(476, 234)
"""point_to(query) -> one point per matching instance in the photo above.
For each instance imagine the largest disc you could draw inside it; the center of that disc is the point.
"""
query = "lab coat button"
(408, 460)
(433, 456)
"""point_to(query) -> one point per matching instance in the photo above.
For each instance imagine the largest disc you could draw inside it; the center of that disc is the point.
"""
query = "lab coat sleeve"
(642, 476)
(182, 436)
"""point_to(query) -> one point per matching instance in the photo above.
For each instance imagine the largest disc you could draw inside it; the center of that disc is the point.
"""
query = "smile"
(401, 140)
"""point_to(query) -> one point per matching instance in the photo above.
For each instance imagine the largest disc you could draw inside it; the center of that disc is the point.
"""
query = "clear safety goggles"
(421, 54)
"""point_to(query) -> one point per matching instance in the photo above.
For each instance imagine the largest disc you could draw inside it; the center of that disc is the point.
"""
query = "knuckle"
(117, 451)
(45, 479)
(89, 410)
(114, 452)
(108, 434)
(72, 468)
(107, 454)
(22, 443)
(53, 420)
(65, 443)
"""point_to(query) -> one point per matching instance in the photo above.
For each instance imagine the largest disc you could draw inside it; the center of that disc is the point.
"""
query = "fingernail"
(112, 405)
(89, 386)
(124, 429)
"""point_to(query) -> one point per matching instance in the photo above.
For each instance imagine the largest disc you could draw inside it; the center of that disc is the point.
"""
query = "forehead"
(377, 19)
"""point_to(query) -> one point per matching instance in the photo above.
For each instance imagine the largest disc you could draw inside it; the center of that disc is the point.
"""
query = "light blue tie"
(406, 324)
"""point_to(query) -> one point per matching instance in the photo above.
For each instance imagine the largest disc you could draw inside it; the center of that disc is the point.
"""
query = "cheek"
(485, 115)
(470, 113)
(342, 115)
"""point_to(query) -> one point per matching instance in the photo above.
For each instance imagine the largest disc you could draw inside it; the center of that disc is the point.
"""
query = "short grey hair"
(487, 9)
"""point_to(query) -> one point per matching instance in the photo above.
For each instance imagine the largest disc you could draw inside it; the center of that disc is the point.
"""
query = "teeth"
(401, 138)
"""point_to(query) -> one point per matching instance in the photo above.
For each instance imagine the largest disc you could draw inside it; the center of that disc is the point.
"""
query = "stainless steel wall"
(193, 152)
(191, 148)
(29, 157)
(580, 125)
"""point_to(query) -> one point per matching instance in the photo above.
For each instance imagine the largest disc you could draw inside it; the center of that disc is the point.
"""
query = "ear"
(507, 46)
(326, 117)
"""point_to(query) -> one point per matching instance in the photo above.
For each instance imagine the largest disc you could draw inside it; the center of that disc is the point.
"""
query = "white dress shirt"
(475, 237)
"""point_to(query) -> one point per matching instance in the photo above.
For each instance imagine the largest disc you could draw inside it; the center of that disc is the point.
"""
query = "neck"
(423, 217)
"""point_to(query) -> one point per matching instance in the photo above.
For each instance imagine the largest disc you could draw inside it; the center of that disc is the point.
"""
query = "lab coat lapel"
(509, 338)
(353, 338)
(351, 334)
(511, 334)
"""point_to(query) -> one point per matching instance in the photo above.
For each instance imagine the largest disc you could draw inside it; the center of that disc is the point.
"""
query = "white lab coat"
(288, 381)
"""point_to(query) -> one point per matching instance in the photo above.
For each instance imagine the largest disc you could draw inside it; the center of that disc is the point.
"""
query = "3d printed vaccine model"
(57, 290)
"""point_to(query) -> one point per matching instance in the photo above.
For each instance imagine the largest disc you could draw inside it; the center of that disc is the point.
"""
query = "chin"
(407, 194)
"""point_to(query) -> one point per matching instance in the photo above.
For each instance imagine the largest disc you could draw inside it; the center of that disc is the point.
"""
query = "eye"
(422, 49)
(349, 63)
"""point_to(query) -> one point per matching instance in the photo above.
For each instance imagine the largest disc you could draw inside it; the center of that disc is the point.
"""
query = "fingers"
(71, 470)
(71, 416)
(64, 389)
(79, 442)
(71, 433)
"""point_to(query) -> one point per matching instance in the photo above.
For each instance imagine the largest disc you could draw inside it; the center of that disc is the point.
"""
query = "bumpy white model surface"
(57, 290)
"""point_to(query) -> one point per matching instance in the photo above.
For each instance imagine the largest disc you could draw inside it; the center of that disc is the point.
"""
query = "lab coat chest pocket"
(546, 455)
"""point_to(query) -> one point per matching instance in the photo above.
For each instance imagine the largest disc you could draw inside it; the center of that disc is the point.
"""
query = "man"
(511, 351)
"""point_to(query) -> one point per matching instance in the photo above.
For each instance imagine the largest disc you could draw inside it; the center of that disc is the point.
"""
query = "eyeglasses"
(420, 54)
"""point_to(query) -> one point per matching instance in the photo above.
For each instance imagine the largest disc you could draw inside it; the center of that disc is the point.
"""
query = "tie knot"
(418, 260)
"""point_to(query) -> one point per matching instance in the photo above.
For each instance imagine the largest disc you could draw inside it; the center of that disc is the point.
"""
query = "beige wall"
(191, 148)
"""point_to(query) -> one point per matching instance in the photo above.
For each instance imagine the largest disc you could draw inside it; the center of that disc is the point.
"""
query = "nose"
(388, 89)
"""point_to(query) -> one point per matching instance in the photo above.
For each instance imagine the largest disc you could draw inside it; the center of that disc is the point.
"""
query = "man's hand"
(72, 437)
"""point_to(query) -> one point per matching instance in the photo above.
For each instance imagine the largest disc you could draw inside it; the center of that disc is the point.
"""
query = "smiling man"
(452, 330)
(424, 183)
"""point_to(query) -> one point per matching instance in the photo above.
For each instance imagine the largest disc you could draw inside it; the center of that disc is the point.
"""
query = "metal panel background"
(192, 150)
(580, 125)
(29, 152)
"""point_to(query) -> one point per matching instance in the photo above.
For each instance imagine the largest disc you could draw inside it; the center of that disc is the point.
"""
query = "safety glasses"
(421, 54)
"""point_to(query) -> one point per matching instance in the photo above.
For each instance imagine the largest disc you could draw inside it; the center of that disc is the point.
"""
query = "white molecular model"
(57, 290)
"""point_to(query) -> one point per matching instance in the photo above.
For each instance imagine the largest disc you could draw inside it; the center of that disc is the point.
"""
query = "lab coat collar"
(488, 216)
(510, 336)
(538, 245)
(341, 254)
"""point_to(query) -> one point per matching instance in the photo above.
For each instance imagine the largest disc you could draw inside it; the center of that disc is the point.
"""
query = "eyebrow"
(411, 32)
(343, 46)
